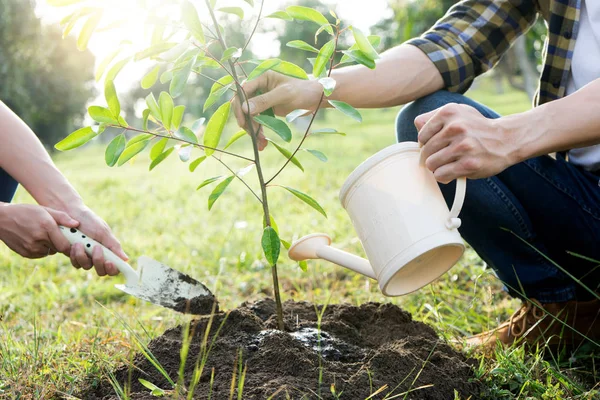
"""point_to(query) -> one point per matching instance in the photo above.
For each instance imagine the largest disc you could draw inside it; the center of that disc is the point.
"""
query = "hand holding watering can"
(401, 218)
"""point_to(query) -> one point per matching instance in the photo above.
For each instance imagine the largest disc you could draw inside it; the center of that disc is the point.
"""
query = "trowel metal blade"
(162, 285)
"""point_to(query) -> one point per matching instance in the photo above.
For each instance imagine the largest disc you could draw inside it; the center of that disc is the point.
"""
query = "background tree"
(44, 79)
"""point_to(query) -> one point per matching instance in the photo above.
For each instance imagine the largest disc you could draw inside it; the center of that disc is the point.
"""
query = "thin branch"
(239, 177)
(128, 128)
(214, 80)
(306, 134)
(262, 3)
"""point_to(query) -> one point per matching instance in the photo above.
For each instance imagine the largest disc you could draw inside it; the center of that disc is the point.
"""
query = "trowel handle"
(76, 236)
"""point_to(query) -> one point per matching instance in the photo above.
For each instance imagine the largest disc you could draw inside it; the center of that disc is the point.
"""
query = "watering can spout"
(318, 245)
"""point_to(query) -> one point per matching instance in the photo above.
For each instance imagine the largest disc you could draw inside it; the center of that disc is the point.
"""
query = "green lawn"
(60, 325)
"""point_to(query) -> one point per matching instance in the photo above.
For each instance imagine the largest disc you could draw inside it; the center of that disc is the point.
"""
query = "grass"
(59, 329)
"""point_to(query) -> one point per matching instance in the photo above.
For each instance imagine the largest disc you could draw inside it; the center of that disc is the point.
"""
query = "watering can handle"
(75, 236)
(453, 222)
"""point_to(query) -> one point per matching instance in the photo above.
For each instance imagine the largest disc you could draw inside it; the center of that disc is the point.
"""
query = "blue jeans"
(552, 204)
(8, 186)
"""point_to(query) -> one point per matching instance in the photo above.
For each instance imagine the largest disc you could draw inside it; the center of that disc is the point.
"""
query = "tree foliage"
(43, 79)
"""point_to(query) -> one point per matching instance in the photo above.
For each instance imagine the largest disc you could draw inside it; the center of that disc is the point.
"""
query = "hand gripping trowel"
(153, 281)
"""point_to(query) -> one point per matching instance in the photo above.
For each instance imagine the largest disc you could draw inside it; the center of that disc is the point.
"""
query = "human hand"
(32, 231)
(95, 227)
(282, 93)
(460, 142)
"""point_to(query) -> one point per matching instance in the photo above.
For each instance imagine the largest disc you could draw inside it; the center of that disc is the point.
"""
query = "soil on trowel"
(358, 351)
(200, 305)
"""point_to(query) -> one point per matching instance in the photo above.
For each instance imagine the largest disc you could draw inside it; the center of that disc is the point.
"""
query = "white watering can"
(402, 220)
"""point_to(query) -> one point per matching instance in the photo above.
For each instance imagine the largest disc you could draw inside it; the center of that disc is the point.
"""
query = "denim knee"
(405, 122)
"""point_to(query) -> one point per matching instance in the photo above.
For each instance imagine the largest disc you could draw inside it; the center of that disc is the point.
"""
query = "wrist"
(518, 136)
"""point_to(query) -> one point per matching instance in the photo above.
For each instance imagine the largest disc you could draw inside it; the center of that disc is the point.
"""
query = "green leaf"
(209, 180)
(194, 164)
(303, 265)
(150, 78)
(189, 14)
(346, 109)
(294, 115)
(214, 128)
(197, 124)
(104, 64)
(161, 157)
(158, 148)
(364, 44)
(184, 152)
(156, 391)
(327, 131)
(115, 69)
(177, 116)
(286, 244)
(186, 134)
(153, 50)
(280, 15)
(132, 150)
(102, 114)
(317, 154)
(290, 69)
(214, 196)
(88, 29)
(182, 50)
(180, 79)
(307, 199)
(140, 138)
(112, 99)
(328, 85)
(374, 40)
(276, 125)
(323, 58)
(166, 109)
(288, 154)
(360, 57)
(231, 52)
(153, 106)
(218, 89)
(235, 138)
(302, 45)
(251, 2)
(233, 10)
(114, 150)
(76, 139)
(308, 14)
(145, 116)
(271, 245)
(263, 67)
(166, 76)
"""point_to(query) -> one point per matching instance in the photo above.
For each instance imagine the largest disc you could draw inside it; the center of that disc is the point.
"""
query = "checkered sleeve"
(472, 36)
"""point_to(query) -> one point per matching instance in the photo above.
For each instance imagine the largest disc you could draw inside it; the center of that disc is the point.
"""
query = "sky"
(360, 13)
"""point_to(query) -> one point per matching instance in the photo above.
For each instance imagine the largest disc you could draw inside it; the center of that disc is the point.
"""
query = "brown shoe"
(555, 324)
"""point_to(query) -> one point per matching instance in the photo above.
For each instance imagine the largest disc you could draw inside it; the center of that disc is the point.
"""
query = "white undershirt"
(585, 67)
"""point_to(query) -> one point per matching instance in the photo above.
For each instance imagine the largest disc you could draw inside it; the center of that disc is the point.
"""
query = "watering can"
(399, 213)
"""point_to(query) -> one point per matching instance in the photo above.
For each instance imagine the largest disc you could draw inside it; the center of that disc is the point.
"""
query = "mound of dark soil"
(358, 350)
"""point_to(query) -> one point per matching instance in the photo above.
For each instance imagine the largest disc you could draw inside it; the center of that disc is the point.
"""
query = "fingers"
(78, 257)
(111, 243)
(98, 260)
(430, 125)
(62, 218)
(263, 102)
(59, 242)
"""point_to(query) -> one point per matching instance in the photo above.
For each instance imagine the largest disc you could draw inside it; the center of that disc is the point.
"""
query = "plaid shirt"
(473, 35)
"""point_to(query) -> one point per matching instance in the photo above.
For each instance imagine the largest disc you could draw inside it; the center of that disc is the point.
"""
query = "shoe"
(556, 325)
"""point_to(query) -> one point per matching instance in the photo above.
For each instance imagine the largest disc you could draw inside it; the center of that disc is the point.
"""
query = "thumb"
(422, 119)
(62, 218)
(261, 103)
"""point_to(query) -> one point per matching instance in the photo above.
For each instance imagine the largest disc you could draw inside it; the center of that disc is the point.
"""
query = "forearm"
(560, 125)
(25, 159)
(403, 74)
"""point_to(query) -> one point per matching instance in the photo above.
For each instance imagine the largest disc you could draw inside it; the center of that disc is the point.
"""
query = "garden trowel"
(153, 281)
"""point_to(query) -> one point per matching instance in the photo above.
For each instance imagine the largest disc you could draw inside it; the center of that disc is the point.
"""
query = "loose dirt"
(357, 351)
